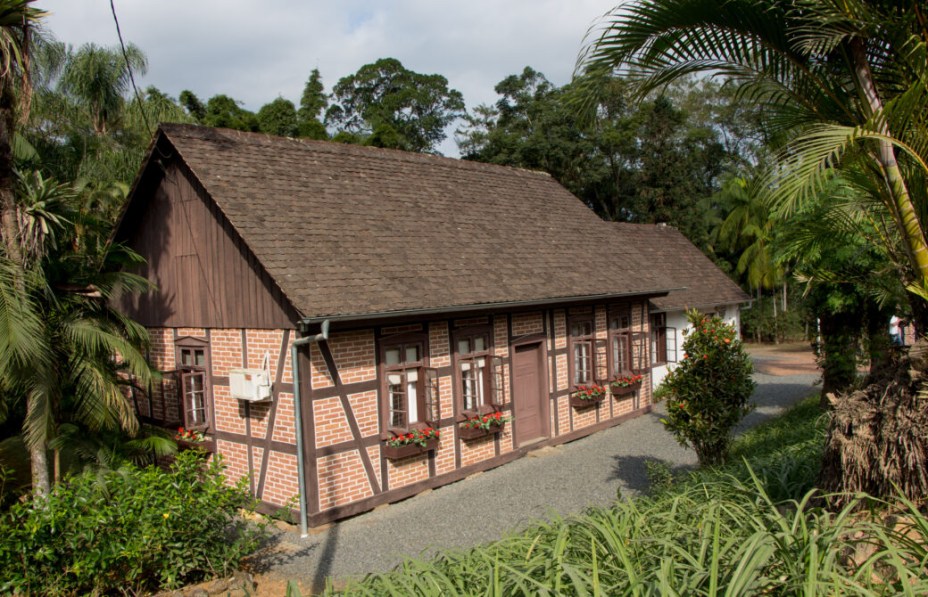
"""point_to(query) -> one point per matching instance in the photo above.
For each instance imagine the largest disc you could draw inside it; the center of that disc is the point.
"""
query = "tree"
(98, 79)
(224, 112)
(60, 335)
(386, 105)
(17, 18)
(643, 163)
(709, 389)
(279, 118)
(312, 105)
(193, 105)
(841, 84)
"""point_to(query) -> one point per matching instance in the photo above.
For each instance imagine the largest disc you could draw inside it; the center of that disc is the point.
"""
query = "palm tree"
(842, 82)
(98, 79)
(64, 353)
(18, 349)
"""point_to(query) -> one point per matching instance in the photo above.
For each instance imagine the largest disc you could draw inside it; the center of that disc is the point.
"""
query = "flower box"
(208, 445)
(581, 402)
(468, 433)
(619, 391)
(407, 450)
(585, 396)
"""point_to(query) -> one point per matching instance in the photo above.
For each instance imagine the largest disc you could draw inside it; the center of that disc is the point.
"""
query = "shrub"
(709, 389)
(129, 530)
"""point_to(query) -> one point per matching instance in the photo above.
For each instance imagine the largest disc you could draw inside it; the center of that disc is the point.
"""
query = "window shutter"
(670, 337)
(497, 382)
(432, 396)
(601, 369)
(640, 360)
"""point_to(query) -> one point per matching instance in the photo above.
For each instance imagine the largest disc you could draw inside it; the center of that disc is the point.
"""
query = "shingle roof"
(346, 230)
(667, 249)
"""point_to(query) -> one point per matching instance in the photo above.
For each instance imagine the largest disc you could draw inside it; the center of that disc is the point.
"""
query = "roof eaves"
(352, 317)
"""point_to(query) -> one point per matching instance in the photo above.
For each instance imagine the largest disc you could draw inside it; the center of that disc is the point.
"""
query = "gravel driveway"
(550, 481)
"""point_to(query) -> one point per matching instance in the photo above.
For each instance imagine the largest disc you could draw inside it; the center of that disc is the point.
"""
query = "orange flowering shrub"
(708, 391)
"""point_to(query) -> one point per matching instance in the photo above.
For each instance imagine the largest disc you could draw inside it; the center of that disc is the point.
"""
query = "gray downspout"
(300, 465)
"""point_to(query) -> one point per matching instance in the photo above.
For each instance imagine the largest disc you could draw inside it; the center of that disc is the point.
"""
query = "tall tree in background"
(98, 79)
(842, 83)
(649, 162)
(279, 118)
(313, 104)
(386, 105)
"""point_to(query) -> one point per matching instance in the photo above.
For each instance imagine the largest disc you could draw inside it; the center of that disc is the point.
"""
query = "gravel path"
(548, 482)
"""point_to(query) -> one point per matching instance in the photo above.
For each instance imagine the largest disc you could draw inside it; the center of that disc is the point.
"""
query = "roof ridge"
(336, 148)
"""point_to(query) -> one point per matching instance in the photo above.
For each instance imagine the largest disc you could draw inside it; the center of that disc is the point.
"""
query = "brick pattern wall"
(233, 349)
(342, 480)
(524, 324)
(477, 450)
(407, 471)
(331, 425)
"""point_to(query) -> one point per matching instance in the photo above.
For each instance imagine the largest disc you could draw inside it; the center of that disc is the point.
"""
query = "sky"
(257, 50)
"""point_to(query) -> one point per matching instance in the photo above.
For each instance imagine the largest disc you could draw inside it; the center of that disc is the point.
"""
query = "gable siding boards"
(205, 275)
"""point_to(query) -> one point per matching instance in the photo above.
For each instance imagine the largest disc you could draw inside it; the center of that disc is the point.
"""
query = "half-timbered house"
(316, 301)
(699, 284)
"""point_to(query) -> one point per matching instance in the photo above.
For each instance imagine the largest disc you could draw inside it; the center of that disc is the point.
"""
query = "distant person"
(896, 324)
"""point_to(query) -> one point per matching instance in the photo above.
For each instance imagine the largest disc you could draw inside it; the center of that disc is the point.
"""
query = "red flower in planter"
(189, 435)
(417, 436)
(486, 421)
(592, 392)
(625, 381)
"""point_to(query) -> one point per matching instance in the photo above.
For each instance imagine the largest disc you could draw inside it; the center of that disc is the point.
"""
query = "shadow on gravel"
(325, 560)
(277, 552)
(632, 471)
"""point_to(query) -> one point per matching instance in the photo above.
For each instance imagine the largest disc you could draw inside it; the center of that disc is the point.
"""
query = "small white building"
(701, 285)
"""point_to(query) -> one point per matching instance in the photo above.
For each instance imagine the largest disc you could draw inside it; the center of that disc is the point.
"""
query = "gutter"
(300, 465)
(308, 321)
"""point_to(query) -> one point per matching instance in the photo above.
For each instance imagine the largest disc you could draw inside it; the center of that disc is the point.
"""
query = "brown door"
(528, 394)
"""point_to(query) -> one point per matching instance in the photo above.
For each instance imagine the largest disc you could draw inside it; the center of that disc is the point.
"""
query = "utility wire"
(125, 55)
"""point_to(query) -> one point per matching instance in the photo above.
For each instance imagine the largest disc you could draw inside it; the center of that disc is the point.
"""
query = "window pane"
(480, 344)
(412, 396)
(392, 356)
(480, 381)
(185, 357)
(581, 328)
(582, 373)
(464, 346)
(397, 400)
(199, 358)
(412, 354)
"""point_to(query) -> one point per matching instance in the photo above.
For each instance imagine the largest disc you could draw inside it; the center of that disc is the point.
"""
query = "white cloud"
(255, 51)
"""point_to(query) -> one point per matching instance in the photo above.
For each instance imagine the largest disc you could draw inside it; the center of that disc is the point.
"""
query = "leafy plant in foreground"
(130, 530)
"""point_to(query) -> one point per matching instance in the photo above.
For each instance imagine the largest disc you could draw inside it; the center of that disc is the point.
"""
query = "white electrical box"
(253, 385)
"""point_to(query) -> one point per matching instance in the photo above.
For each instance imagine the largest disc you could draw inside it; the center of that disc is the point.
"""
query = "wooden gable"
(205, 274)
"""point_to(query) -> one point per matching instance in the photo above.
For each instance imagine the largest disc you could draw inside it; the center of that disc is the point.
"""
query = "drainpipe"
(300, 465)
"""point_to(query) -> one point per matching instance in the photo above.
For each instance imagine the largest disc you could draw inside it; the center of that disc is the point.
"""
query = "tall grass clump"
(754, 527)
(724, 537)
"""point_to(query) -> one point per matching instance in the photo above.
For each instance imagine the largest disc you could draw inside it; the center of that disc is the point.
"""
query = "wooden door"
(528, 393)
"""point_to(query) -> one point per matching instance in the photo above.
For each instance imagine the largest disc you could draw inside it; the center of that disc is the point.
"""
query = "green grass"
(751, 528)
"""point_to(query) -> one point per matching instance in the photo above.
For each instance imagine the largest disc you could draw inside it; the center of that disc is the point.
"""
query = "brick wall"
(236, 424)
(341, 478)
